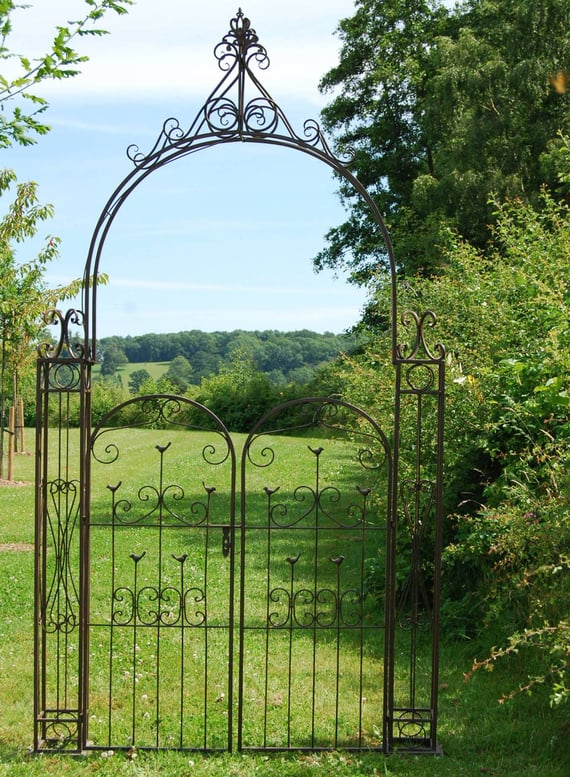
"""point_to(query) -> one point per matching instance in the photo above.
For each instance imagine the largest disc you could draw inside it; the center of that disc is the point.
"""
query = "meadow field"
(478, 735)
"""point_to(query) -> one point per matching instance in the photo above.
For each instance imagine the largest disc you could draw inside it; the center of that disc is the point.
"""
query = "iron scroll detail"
(239, 108)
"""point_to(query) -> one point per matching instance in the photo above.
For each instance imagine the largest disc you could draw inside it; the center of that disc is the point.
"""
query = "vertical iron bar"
(113, 490)
(40, 554)
(206, 632)
(267, 613)
(361, 617)
(390, 597)
(181, 561)
(84, 547)
(437, 551)
(136, 559)
(292, 562)
(338, 563)
(231, 592)
(241, 616)
(317, 452)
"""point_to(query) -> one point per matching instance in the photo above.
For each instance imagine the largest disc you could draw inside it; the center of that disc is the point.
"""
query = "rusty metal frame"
(239, 110)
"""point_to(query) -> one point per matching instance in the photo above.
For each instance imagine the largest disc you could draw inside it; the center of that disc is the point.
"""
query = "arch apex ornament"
(239, 108)
(240, 44)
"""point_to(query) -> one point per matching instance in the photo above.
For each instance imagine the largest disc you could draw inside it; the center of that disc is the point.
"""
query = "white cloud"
(151, 53)
(284, 205)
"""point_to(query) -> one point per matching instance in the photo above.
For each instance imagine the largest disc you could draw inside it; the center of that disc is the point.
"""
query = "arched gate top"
(239, 109)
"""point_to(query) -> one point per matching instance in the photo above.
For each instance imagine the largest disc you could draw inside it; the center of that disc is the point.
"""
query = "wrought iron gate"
(217, 597)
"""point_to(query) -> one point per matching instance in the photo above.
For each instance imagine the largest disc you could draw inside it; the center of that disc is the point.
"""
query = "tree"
(239, 394)
(504, 317)
(138, 377)
(24, 296)
(443, 109)
(113, 357)
(180, 373)
(21, 106)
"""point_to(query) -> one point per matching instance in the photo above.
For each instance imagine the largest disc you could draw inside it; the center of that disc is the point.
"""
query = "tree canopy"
(445, 109)
(283, 356)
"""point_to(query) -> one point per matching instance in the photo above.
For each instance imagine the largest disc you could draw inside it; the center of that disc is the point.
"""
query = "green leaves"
(447, 110)
(19, 124)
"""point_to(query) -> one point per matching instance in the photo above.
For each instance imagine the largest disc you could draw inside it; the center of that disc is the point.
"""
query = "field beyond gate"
(225, 598)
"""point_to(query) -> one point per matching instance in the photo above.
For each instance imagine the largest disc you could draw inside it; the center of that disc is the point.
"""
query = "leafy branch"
(59, 62)
(550, 638)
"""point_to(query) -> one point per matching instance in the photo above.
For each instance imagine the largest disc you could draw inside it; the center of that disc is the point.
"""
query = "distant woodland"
(285, 357)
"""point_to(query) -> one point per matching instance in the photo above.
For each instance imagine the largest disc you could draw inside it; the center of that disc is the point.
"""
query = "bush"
(504, 317)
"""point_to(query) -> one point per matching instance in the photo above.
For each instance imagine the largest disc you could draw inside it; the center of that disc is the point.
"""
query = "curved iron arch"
(229, 115)
(64, 384)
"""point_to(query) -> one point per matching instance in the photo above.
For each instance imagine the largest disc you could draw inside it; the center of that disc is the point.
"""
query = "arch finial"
(240, 45)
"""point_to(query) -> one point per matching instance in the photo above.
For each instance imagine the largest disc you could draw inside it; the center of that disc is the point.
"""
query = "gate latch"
(226, 540)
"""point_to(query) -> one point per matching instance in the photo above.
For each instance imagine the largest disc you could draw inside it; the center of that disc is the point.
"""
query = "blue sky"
(224, 238)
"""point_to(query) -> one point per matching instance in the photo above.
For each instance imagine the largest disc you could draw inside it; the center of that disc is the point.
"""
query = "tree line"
(285, 357)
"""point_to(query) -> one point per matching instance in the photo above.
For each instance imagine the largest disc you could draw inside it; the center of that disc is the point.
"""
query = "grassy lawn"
(155, 369)
(479, 736)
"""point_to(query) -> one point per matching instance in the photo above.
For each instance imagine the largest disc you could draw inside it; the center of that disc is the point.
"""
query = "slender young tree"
(24, 296)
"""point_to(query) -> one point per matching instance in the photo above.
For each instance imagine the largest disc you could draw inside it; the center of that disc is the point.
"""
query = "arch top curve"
(239, 109)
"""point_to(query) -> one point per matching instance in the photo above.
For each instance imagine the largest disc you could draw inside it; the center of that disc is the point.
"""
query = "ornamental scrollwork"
(231, 113)
(157, 411)
(160, 505)
(65, 345)
(419, 347)
(323, 608)
(155, 606)
(320, 500)
(159, 605)
(61, 733)
(418, 499)
(240, 46)
(61, 612)
(412, 724)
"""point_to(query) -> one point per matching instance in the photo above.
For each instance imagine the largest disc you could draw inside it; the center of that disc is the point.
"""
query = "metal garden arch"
(123, 639)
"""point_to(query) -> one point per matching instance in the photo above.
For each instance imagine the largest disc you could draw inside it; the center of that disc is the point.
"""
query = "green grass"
(155, 369)
(523, 738)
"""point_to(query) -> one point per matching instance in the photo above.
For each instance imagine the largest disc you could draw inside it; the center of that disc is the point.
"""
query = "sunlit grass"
(478, 735)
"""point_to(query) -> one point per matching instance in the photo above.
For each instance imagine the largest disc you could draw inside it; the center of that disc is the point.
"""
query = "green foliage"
(504, 316)
(24, 295)
(288, 357)
(180, 373)
(113, 358)
(22, 107)
(444, 107)
(239, 394)
(161, 385)
(136, 379)
(105, 395)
